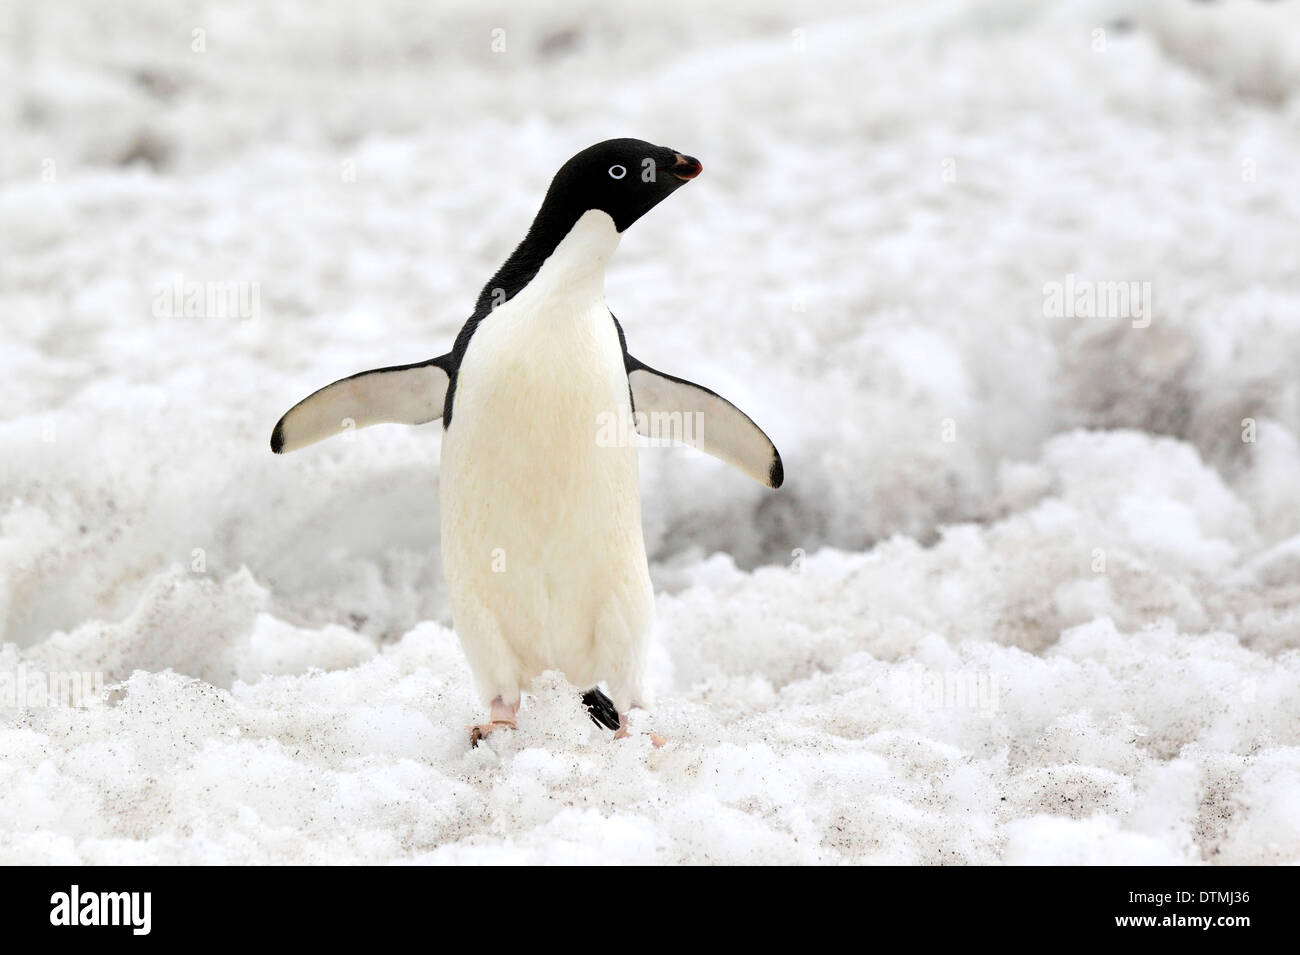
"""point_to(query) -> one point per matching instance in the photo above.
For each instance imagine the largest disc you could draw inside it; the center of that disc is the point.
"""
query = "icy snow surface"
(1027, 595)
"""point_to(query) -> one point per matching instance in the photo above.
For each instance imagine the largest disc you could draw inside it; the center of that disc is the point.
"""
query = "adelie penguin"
(541, 519)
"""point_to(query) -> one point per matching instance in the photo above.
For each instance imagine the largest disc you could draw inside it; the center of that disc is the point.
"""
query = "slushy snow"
(1031, 593)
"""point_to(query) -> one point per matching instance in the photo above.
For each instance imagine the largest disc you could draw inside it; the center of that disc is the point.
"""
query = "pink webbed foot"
(502, 717)
(622, 733)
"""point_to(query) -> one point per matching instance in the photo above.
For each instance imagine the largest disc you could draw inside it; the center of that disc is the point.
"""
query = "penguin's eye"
(617, 172)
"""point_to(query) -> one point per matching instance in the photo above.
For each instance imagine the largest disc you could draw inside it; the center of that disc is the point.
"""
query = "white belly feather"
(541, 525)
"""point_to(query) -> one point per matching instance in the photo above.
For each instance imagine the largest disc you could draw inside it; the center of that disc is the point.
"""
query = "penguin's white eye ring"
(617, 172)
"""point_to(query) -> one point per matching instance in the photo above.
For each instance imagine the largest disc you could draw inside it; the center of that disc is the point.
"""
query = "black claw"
(600, 708)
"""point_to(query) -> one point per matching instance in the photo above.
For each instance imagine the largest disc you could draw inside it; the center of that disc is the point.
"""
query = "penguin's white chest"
(541, 518)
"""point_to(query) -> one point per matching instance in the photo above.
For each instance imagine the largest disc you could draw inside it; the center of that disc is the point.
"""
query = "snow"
(1031, 593)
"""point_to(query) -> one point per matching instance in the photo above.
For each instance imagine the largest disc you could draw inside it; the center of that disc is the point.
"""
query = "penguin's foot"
(622, 733)
(503, 717)
(480, 730)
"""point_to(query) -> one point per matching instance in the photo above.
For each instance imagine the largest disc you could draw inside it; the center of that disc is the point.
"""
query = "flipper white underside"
(415, 394)
(402, 394)
(725, 432)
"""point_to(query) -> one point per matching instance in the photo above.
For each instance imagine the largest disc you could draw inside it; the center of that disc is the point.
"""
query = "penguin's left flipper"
(402, 394)
(725, 431)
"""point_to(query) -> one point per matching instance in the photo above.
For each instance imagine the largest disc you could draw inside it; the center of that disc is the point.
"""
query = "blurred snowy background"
(1031, 592)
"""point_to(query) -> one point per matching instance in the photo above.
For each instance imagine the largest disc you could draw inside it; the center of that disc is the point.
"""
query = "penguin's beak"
(686, 167)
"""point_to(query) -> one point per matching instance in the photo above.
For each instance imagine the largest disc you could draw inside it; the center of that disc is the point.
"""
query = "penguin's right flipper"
(727, 433)
(402, 394)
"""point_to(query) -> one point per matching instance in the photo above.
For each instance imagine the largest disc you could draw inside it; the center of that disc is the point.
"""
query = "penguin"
(542, 546)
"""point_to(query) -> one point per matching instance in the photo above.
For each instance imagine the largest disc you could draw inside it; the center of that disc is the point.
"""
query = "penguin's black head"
(625, 178)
